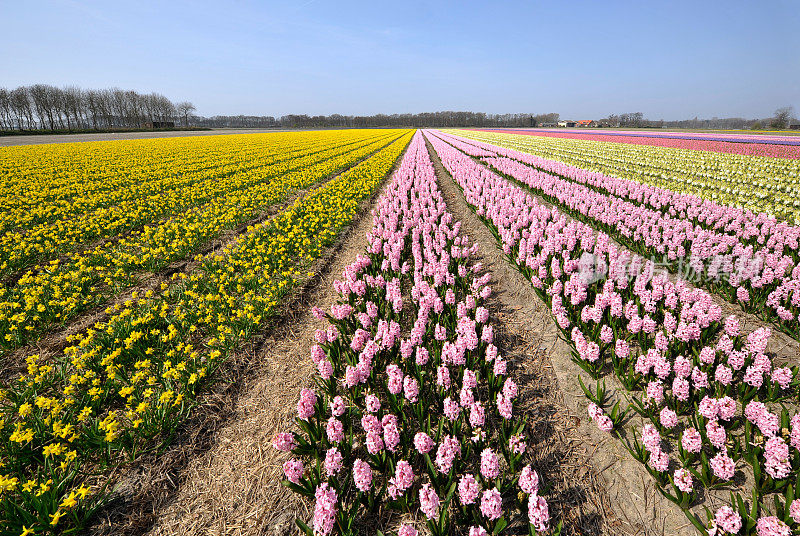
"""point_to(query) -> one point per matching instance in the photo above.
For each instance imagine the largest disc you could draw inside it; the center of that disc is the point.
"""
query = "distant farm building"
(566, 123)
(161, 124)
(585, 123)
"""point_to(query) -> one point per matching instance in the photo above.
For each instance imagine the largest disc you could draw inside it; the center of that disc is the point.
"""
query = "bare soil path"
(598, 486)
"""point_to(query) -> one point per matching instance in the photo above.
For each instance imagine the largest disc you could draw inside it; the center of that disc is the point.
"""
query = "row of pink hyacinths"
(734, 146)
(754, 228)
(413, 411)
(763, 278)
(712, 400)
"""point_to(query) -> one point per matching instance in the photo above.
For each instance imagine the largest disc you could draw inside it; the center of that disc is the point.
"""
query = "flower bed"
(719, 419)
(413, 410)
(763, 281)
(46, 297)
(759, 184)
(126, 384)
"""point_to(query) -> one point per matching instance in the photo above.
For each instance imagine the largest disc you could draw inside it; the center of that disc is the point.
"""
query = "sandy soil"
(34, 139)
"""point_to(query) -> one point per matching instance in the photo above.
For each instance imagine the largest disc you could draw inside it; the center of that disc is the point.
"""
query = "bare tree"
(782, 117)
(119, 107)
(92, 107)
(72, 103)
(65, 106)
(21, 104)
(184, 109)
(105, 105)
(166, 111)
(41, 103)
(6, 116)
(54, 101)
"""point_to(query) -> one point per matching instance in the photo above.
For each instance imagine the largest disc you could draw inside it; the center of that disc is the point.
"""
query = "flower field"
(102, 257)
(122, 387)
(710, 414)
(369, 439)
(135, 273)
(745, 144)
(749, 258)
(754, 183)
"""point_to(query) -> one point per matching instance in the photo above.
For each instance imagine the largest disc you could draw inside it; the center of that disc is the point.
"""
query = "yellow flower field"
(122, 386)
(54, 291)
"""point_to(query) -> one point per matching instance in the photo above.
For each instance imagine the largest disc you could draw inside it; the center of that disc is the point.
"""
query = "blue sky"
(583, 59)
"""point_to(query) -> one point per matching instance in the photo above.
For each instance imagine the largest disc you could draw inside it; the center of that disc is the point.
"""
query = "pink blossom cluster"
(324, 509)
(602, 420)
(415, 389)
(761, 257)
(681, 352)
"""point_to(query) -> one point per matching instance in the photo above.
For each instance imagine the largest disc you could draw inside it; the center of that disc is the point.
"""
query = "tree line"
(421, 120)
(46, 107)
(781, 119)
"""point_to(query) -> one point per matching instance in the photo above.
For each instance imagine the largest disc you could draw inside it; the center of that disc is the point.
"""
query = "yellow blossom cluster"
(56, 291)
(123, 386)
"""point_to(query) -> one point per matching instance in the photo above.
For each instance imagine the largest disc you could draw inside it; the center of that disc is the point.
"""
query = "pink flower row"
(413, 411)
(762, 280)
(716, 146)
(663, 331)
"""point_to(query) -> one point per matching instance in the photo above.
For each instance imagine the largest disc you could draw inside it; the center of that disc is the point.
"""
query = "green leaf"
(450, 493)
(305, 528)
(296, 488)
(694, 520)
